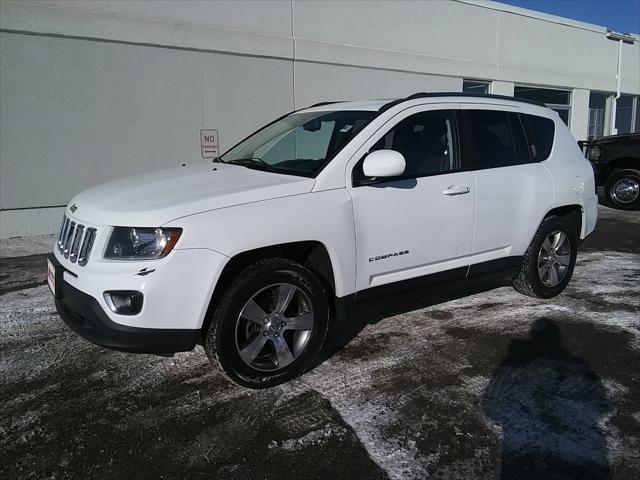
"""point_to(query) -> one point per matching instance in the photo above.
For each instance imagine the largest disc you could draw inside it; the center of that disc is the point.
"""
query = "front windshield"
(300, 143)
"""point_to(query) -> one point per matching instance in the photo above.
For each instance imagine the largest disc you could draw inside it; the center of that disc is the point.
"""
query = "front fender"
(325, 217)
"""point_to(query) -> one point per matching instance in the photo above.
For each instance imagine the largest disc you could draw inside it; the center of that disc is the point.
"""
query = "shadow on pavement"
(399, 302)
(549, 404)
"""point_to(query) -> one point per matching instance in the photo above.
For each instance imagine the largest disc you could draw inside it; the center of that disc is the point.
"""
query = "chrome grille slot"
(75, 241)
(75, 244)
(63, 233)
(67, 242)
(62, 225)
(87, 244)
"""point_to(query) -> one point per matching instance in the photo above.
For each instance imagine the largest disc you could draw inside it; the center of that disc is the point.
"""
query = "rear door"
(512, 188)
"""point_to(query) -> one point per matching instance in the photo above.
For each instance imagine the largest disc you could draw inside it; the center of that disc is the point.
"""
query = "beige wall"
(464, 38)
(94, 90)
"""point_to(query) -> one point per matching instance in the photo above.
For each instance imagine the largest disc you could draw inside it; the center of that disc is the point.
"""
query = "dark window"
(563, 113)
(426, 140)
(597, 114)
(518, 130)
(494, 140)
(624, 114)
(543, 131)
(474, 86)
(557, 100)
(545, 95)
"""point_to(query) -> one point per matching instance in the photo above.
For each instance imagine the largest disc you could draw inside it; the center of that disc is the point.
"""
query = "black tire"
(629, 197)
(528, 280)
(221, 340)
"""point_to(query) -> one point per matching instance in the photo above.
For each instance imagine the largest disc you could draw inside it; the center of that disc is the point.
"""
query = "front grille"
(75, 241)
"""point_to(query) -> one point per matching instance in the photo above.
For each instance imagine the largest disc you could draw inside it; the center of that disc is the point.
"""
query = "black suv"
(616, 160)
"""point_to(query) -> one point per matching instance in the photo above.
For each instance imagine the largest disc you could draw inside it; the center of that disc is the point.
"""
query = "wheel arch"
(574, 213)
(617, 164)
(312, 254)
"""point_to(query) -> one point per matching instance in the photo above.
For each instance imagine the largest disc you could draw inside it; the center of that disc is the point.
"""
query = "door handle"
(456, 190)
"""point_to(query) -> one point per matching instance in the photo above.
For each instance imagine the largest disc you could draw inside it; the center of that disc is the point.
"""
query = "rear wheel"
(549, 261)
(623, 189)
(270, 324)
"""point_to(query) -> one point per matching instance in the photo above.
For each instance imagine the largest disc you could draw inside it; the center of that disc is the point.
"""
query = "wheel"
(623, 189)
(269, 325)
(548, 264)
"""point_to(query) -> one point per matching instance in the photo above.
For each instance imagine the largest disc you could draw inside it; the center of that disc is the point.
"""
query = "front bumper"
(86, 316)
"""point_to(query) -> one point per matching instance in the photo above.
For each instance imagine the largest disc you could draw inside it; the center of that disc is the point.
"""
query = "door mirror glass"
(384, 163)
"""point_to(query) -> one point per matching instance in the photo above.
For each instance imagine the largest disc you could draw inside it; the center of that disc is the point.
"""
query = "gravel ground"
(491, 385)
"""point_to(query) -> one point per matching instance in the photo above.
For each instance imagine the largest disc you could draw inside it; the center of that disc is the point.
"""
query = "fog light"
(124, 302)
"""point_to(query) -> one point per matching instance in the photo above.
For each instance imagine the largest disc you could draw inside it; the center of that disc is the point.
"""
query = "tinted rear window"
(543, 132)
(495, 143)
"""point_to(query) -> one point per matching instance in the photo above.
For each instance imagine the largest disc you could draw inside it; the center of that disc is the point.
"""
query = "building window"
(627, 114)
(597, 114)
(558, 100)
(475, 86)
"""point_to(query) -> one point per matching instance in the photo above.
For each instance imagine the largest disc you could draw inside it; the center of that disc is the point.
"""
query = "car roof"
(381, 105)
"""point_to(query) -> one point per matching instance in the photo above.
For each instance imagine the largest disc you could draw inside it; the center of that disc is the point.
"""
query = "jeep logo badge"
(73, 208)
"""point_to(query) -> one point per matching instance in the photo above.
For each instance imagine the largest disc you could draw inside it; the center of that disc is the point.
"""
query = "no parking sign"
(209, 143)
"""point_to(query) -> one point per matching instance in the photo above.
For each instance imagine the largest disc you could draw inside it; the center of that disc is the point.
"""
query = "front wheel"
(549, 261)
(623, 189)
(269, 325)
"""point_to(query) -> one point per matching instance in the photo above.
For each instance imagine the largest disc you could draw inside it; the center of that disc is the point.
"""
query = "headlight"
(133, 243)
(594, 153)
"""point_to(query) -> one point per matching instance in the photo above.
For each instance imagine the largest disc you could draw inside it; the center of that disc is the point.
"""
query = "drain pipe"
(620, 38)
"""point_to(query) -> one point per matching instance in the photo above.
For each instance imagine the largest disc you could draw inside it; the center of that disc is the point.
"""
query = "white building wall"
(76, 113)
(94, 90)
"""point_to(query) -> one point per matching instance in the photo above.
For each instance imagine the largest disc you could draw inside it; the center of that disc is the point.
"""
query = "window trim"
(457, 149)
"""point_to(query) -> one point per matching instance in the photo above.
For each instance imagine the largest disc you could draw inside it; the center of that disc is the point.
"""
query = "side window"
(498, 138)
(518, 130)
(427, 140)
(542, 130)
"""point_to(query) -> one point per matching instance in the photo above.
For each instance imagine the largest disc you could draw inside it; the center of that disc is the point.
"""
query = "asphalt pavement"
(480, 384)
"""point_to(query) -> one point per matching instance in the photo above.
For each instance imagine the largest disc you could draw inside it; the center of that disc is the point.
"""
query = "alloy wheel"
(274, 327)
(554, 258)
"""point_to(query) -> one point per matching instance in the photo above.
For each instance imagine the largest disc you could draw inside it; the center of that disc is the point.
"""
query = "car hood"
(624, 138)
(153, 199)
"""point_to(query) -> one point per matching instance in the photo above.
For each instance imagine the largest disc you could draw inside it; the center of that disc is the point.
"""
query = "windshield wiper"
(255, 162)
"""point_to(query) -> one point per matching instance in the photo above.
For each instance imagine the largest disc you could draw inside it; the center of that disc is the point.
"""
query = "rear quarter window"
(543, 132)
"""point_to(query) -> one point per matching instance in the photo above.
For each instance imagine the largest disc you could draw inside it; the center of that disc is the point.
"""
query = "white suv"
(251, 255)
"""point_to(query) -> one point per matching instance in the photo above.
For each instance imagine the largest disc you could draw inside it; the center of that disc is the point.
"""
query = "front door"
(423, 221)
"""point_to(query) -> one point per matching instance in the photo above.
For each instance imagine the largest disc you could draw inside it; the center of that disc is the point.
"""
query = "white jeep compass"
(251, 255)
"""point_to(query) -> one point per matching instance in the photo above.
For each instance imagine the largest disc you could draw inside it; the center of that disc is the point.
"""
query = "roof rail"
(324, 103)
(393, 103)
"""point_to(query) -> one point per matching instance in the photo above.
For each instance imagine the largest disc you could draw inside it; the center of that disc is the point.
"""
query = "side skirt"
(421, 292)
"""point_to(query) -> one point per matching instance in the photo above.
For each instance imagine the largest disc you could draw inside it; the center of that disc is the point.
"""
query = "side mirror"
(384, 163)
